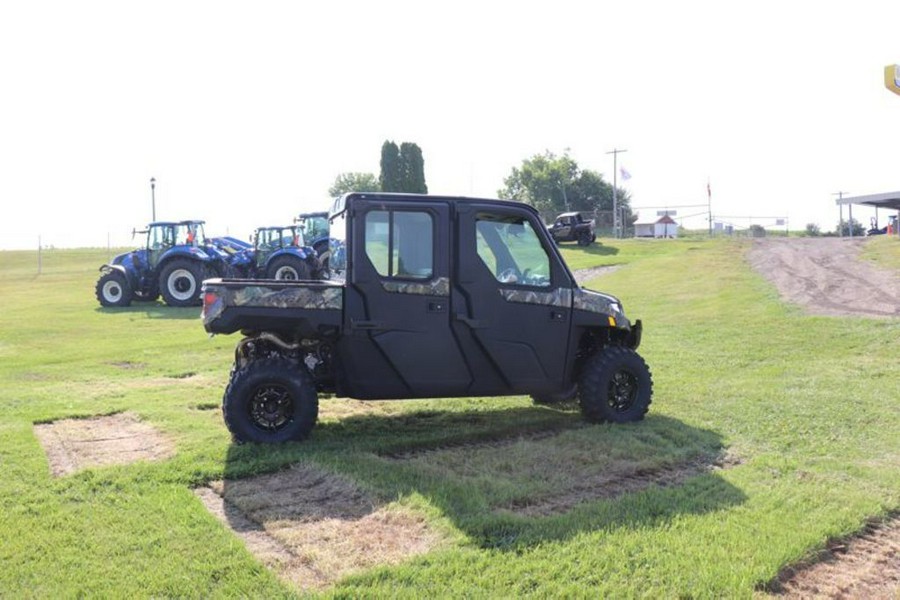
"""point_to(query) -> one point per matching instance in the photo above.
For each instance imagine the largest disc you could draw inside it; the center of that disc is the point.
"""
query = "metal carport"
(888, 200)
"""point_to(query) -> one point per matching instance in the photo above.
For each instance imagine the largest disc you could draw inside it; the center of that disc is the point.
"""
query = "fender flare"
(109, 267)
(299, 253)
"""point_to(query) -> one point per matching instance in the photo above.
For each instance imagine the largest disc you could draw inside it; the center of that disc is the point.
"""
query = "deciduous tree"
(555, 184)
(353, 182)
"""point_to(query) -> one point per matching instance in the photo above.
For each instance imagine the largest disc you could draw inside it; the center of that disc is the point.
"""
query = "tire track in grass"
(522, 461)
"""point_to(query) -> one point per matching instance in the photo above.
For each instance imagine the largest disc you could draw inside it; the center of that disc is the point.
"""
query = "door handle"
(473, 323)
(366, 325)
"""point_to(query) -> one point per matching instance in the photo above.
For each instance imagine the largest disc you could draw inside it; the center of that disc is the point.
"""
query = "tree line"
(552, 184)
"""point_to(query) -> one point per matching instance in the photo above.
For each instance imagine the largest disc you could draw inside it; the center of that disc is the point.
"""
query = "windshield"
(278, 238)
(188, 234)
(337, 259)
(315, 227)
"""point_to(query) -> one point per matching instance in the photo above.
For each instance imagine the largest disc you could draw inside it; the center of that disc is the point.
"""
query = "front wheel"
(290, 268)
(270, 401)
(585, 238)
(615, 386)
(113, 289)
(180, 282)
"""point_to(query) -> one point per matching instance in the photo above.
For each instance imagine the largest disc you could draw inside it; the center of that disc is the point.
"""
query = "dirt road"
(827, 277)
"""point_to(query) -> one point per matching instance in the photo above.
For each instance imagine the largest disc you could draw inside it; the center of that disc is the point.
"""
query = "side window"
(512, 251)
(400, 244)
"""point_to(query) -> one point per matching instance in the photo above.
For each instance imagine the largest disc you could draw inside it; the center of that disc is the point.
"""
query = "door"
(398, 303)
(517, 299)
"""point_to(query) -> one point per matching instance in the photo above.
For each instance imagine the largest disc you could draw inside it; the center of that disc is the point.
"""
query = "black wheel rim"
(623, 387)
(271, 407)
(183, 284)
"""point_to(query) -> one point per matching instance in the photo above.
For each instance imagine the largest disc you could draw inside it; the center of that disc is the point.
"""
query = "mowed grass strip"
(314, 527)
(807, 403)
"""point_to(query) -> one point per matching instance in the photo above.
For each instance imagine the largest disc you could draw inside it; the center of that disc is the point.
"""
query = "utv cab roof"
(340, 203)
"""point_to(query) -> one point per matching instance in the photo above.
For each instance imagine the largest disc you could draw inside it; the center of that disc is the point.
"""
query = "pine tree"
(391, 168)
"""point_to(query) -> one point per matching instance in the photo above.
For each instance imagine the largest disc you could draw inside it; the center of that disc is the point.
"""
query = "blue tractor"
(316, 229)
(175, 260)
(278, 252)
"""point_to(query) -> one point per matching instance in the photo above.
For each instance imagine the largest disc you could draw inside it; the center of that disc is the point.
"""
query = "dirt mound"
(75, 444)
(866, 566)
(826, 276)
(313, 528)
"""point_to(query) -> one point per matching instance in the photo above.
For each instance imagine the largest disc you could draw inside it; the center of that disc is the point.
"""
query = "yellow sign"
(892, 78)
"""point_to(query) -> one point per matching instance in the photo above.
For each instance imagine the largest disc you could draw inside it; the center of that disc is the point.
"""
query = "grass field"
(805, 407)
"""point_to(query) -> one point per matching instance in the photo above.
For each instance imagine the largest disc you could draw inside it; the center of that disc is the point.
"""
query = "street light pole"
(153, 196)
(615, 153)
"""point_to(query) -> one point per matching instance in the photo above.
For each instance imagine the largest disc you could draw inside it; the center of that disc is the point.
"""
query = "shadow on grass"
(473, 465)
(597, 248)
(154, 310)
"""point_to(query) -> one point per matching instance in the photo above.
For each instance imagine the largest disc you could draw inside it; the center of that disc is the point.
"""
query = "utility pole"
(840, 196)
(562, 186)
(615, 152)
(153, 196)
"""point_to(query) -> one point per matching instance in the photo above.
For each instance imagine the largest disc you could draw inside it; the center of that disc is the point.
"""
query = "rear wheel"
(270, 401)
(289, 268)
(113, 289)
(585, 238)
(180, 281)
(615, 386)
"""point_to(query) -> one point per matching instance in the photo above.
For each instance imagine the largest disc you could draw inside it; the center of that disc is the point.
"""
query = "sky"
(246, 112)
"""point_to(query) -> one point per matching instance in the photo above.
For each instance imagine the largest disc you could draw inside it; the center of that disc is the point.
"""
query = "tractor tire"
(113, 289)
(289, 268)
(615, 386)
(180, 282)
(270, 401)
(324, 271)
(321, 247)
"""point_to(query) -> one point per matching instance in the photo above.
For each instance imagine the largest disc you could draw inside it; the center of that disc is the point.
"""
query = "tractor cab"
(163, 236)
(269, 240)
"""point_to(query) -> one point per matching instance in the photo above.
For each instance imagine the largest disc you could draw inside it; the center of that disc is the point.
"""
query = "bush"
(813, 230)
(853, 225)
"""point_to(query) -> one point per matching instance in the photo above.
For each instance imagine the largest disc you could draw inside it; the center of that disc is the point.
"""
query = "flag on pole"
(623, 172)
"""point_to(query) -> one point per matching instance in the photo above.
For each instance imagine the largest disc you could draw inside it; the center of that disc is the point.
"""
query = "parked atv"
(278, 253)
(430, 297)
(174, 261)
(572, 227)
